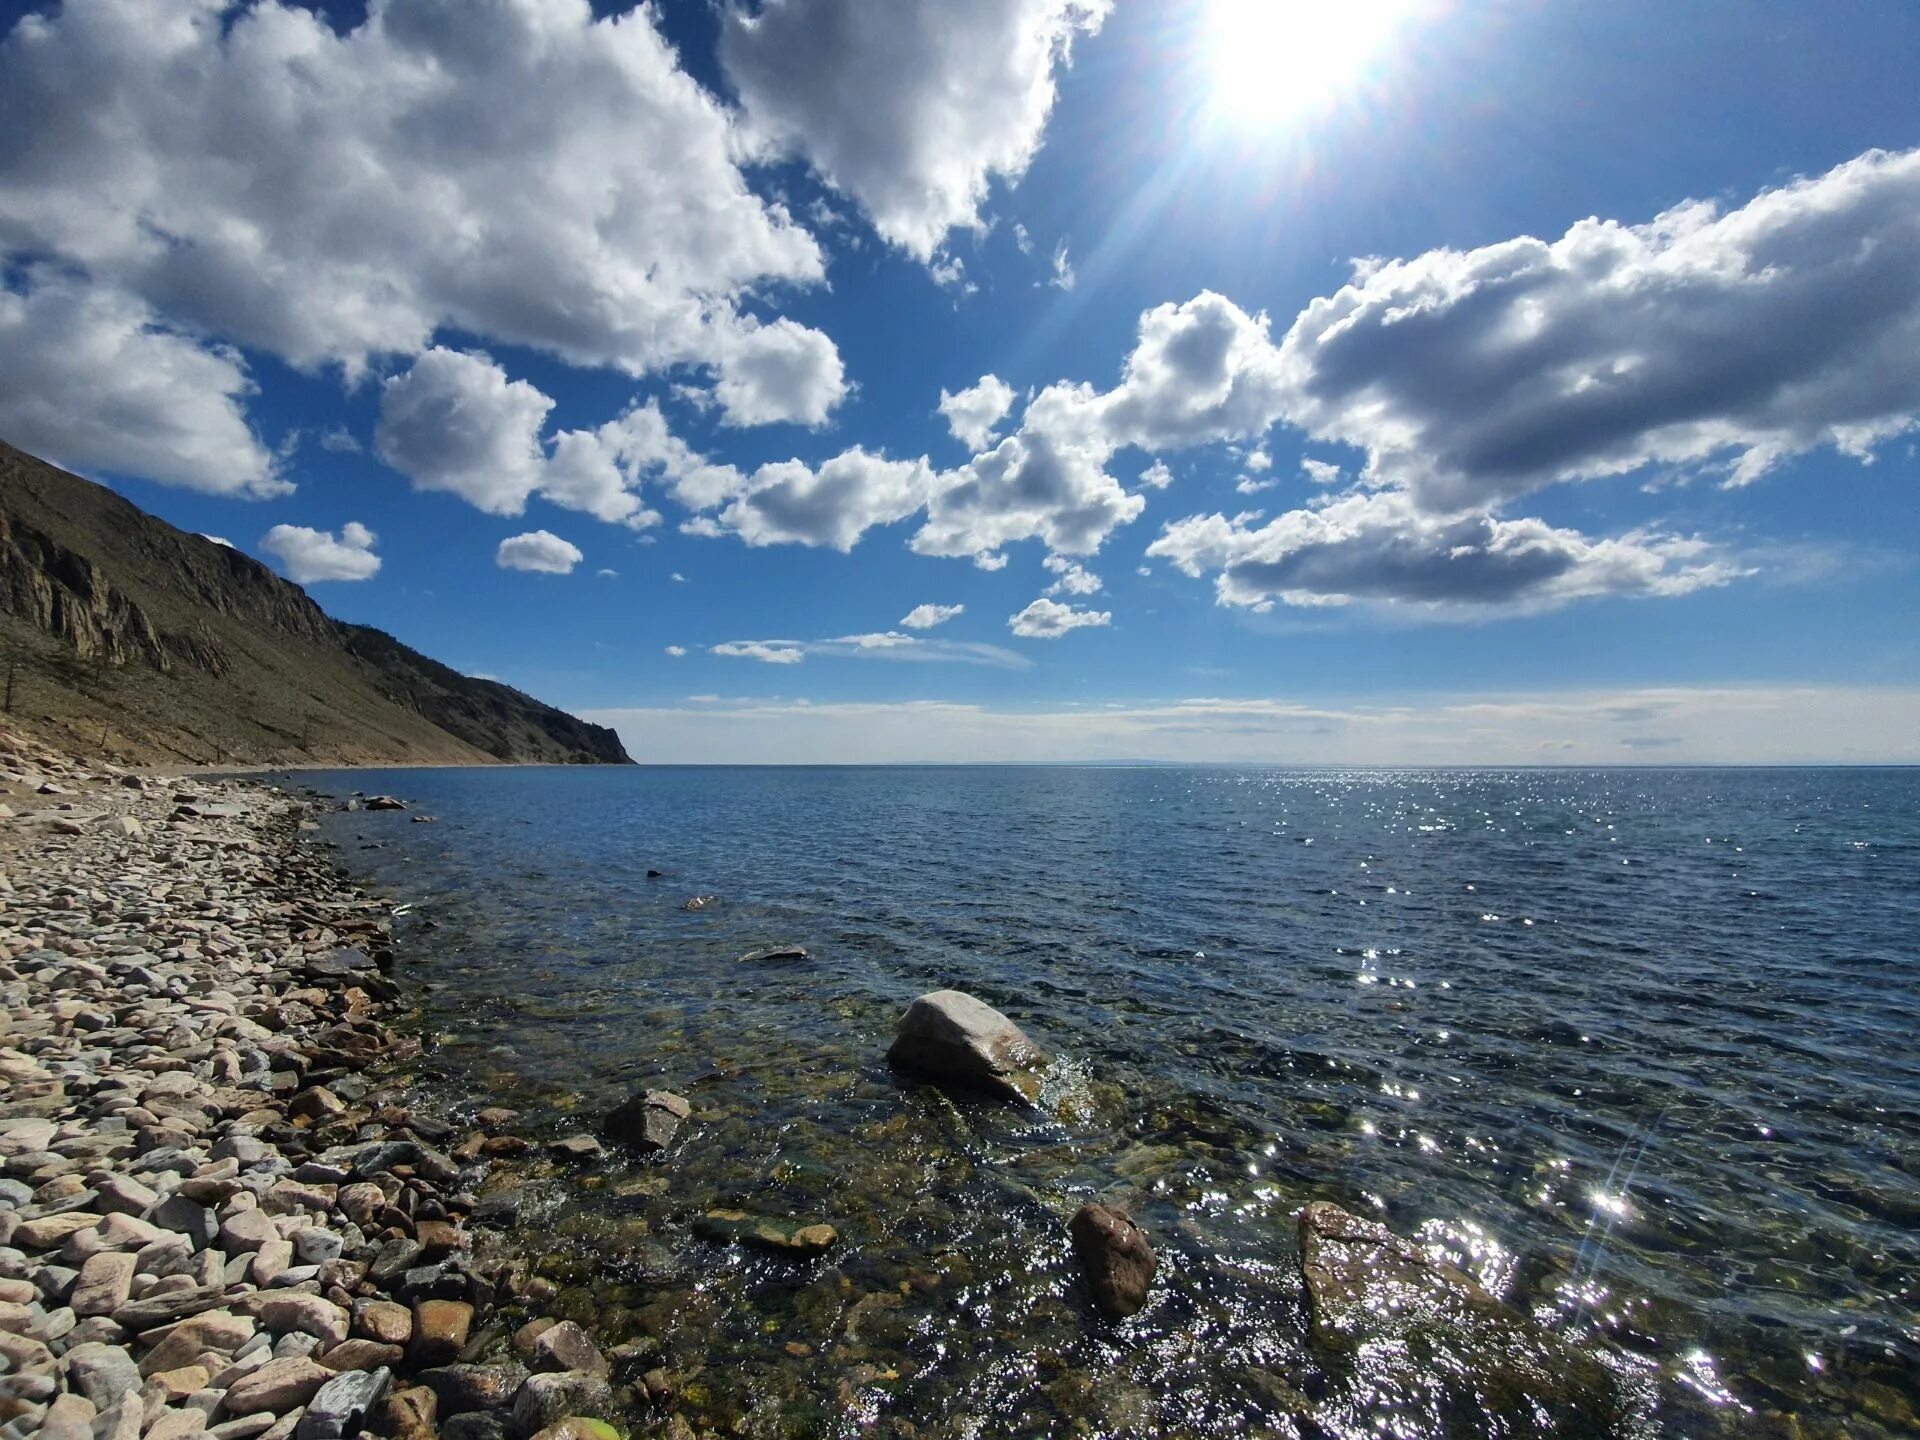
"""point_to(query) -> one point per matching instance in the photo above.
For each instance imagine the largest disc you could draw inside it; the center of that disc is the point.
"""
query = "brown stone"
(384, 1321)
(440, 1329)
(950, 1036)
(362, 1355)
(277, 1386)
(1115, 1256)
(408, 1414)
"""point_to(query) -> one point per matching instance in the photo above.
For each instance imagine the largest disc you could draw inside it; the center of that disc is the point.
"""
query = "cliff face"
(158, 645)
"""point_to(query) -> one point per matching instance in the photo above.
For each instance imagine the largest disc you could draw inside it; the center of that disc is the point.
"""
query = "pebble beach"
(216, 1217)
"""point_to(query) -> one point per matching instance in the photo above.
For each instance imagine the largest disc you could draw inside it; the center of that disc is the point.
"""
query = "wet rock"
(544, 1400)
(577, 1149)
(1115, 1257)
(475, 1425)
(950, 1036)
(384, 802)
(1426, 1331)
(407, 1414)
(440, 1330)
(384, 1321)
(340, 1407)
(796, 1239)
(461, 1389)
(566, 1346)
(775, 953)
(648, 1122)
(579, 1427)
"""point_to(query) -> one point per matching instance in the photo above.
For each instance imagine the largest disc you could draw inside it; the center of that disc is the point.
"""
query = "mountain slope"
(134, 638)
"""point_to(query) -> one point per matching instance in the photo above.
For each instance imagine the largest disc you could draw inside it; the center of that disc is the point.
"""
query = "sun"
(1273, 61)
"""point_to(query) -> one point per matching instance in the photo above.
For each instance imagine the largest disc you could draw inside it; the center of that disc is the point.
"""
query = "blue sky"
(1421, 382)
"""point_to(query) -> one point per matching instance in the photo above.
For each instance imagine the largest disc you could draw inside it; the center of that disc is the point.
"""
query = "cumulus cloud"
(520, 171)
(678, 652)
(925, 617)
(1156, 476)
(1048, 620)
(338, 440)
(1736, 339)
(1381, 547)
(973, 413)
(539, 551)
(311, 555)
(454, 421)
(92, 379)
(1072, 579)
(792, 503)
(909, 108)
(880, 645)
(1319, 472)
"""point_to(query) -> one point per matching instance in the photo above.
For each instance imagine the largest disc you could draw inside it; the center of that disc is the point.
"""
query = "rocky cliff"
(126, 635)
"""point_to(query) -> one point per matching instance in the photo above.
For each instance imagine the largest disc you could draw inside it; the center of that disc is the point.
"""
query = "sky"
(1396, 381)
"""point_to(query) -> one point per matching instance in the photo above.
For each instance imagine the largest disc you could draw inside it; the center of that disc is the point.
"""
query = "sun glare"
(1275, 60)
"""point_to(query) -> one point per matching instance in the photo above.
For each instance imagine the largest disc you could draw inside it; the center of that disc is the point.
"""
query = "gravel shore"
(216, 1215)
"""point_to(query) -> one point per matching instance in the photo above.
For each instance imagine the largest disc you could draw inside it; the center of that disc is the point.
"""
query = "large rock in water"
(648, 1122)
(1114, 1253)
(1425, 1333)
(950, 1036)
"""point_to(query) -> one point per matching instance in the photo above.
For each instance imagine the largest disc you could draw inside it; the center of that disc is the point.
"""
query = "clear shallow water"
(1637, 1048)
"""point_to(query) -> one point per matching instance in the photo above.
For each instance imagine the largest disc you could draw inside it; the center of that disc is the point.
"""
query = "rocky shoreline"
(216, 1213)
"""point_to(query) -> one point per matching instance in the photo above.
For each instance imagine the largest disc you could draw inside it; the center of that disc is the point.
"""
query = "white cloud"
(606, 574)
(1754, 725)
(1049, 620)
(92, 379)
(677, 578)
(880, 645)
(1063, 277)
(1319, 472)
(1258, 462)
(1382, 547)
(1474, 377)
(339, 440)
(455, 422)
(308, 556)
(791, 503)
(678, 652)
(519, 171)
(925, 617)
(1247, 485)
(909, 108)
(973, 413)
(1047, 481)
(768, 652)
(539, 551)
(1156, 476)
(1022, 239)
(1073, 578)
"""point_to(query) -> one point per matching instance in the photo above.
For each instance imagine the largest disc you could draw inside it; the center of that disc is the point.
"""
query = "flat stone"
(105, 1284)
(306, 1314)
(361, 1355)
(278, 1386)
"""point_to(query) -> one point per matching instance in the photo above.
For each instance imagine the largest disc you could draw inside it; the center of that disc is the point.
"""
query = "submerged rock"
(1425, 1331)
(950, 1036)
(798, 1239)
(648, 1122)
(1114, 1253)
(777, 952)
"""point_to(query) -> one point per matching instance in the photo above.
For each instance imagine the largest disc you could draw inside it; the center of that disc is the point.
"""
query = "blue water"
(1635, 1047)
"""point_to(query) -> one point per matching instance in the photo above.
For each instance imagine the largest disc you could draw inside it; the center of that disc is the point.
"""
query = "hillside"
(131, 638)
